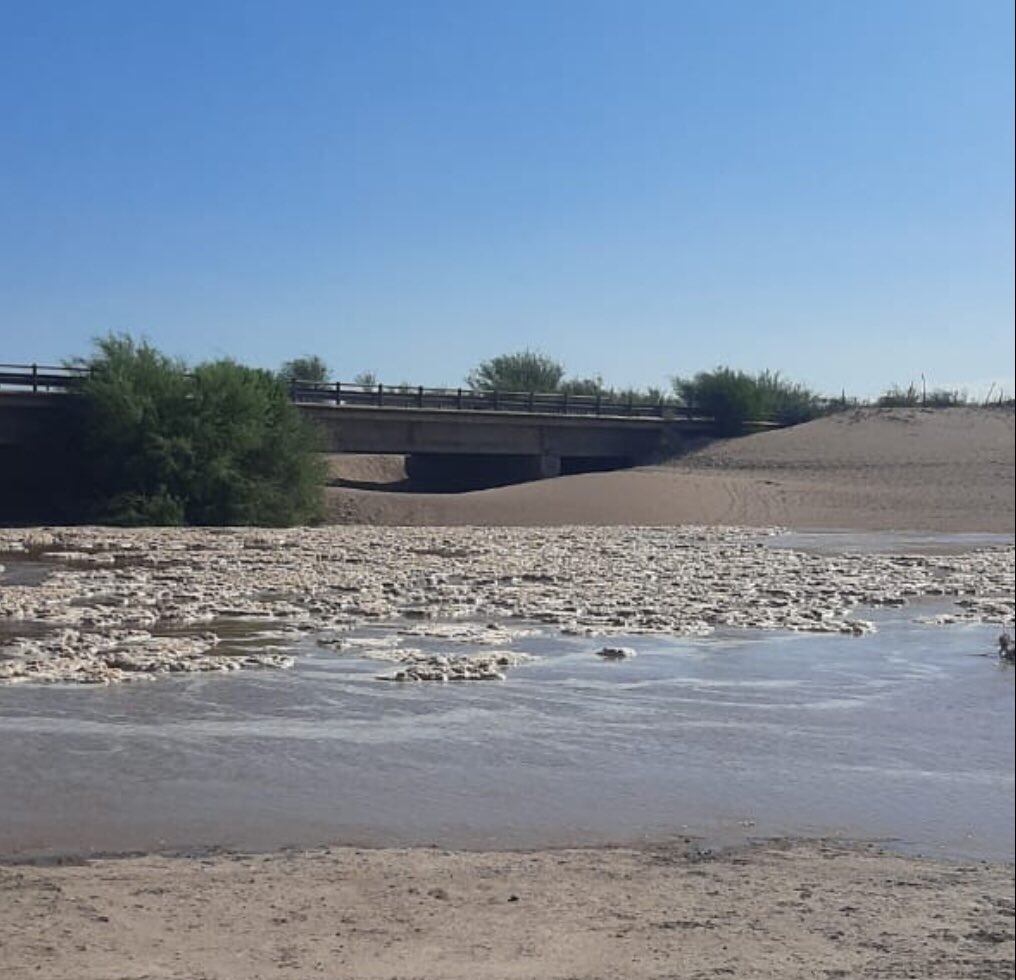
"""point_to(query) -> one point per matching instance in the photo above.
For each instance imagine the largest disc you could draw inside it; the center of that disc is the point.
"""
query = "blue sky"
(641, 189)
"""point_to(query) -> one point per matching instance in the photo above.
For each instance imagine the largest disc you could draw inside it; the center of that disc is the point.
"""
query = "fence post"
(631, 402)
(531, 400)
(380, 395)
(419, 396)
(599, 402)
(564, 406)
(458, 400)
(495, 399)
(35, 377)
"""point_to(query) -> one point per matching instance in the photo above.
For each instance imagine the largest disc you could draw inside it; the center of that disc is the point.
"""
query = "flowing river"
(904, 735)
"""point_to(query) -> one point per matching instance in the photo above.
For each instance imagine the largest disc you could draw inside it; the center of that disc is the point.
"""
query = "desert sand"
(868, 469)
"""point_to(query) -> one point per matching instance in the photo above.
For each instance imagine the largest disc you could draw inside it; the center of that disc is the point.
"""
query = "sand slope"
(906, 469)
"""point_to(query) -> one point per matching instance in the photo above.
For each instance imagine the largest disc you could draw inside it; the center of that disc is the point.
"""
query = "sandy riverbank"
(904, 469)
(777, 909)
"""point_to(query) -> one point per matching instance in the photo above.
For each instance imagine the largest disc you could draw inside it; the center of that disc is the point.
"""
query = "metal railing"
(476, 400)
(40, 377)
(52, 378)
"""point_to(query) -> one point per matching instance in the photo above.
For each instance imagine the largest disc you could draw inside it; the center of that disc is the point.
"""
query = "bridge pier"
(548, 465)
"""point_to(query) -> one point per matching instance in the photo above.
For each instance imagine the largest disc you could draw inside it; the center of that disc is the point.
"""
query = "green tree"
(522, 371)
(308, 368)
(219, 445)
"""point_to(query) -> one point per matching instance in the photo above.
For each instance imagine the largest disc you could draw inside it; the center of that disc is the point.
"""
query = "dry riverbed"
(135, 604)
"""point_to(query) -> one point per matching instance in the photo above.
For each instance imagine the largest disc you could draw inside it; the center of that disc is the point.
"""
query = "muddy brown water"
(903, 736)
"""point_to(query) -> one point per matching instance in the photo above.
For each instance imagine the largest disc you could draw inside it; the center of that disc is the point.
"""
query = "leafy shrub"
(896, 397)
(734, 398)
(945, 398)
(219, 445)
(523, 371)
(730, 397)
(310, 368)
(527, 371)
(788, 402)
(911, 397)
(583, 386)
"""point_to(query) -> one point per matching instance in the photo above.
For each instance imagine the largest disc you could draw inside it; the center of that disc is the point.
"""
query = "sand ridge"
(865, 469)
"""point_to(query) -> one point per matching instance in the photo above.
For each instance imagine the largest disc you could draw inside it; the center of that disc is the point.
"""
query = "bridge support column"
(548, 465)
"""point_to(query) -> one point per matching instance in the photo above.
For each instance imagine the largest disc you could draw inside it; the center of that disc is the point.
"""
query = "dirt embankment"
(904, 469)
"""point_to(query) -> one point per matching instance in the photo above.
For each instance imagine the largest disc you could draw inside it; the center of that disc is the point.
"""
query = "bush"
(583, 386)
(911, 397)
(310, 368)
(945, 398)
(787, 402)
(523, 371)
(896, 397)
(219, 446)
(734, 398)
(730, 397)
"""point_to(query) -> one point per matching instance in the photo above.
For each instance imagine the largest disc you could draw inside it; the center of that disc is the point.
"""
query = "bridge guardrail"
(56, 378)
(39, 377)
(474, 400)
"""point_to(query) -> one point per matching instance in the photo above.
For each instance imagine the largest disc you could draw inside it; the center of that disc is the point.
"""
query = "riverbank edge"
(693, 846)
(786, 906)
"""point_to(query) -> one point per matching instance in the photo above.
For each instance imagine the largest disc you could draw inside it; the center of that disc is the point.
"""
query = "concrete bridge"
(489, 447)
(451, 438)
(445, 448)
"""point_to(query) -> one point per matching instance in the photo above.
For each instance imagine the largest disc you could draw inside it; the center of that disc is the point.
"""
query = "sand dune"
(905, 469)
